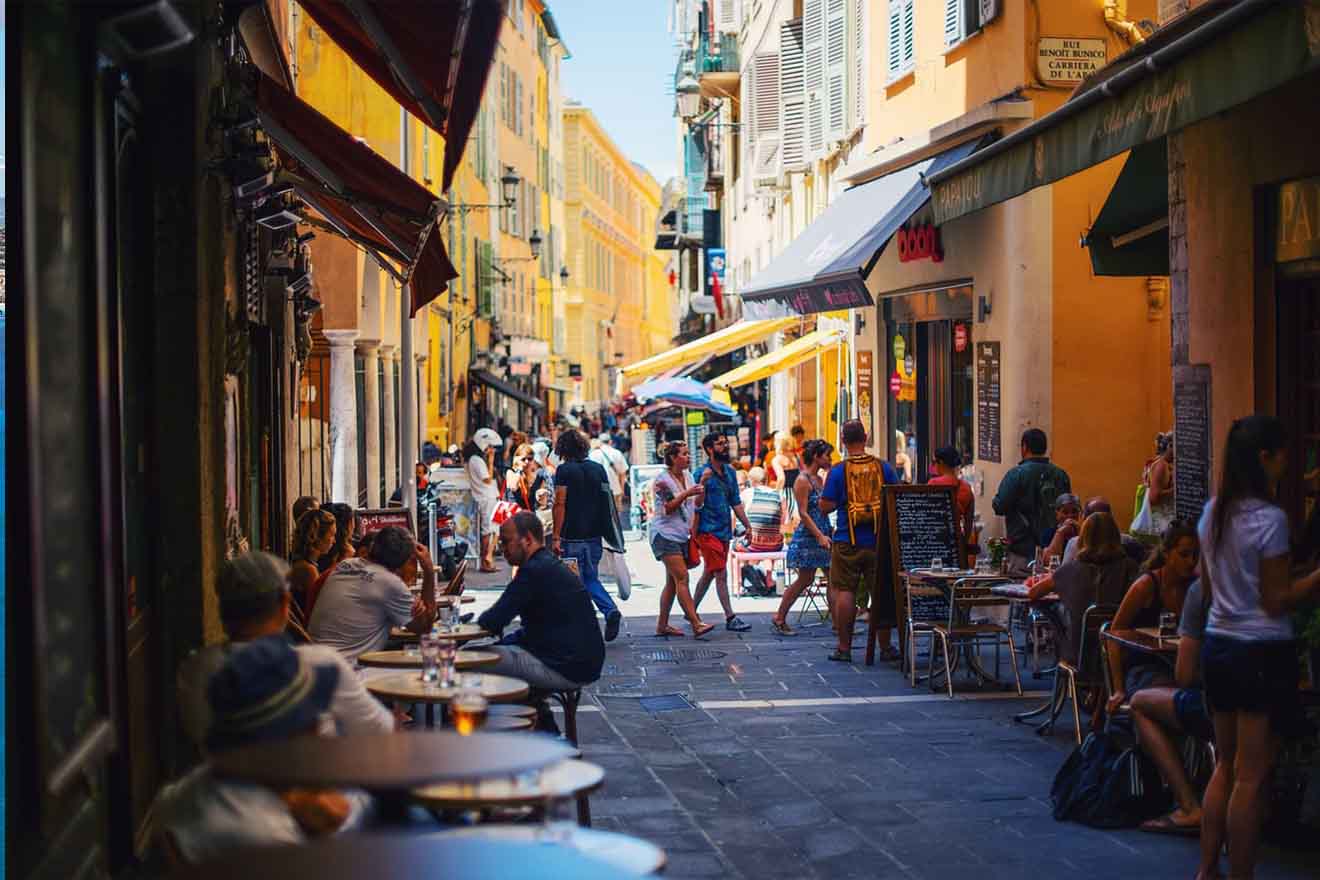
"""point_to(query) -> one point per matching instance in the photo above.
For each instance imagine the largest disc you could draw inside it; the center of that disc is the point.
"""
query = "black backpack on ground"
(755, 583)
(1108, 783)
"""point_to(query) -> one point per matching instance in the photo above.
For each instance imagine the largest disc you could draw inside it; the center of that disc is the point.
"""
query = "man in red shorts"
(714, 527)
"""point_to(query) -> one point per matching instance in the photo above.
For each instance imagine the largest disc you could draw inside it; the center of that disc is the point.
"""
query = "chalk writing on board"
(987, 402)
(1192, 440)
(923, 526)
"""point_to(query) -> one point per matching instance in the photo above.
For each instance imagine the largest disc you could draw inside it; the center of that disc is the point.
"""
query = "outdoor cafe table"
(946, 580)
(1016, 593)
(1145, 640)
(562, 781)
(463, 660)
(631, 855)
(407, 857)
(464, 632)
(388, 762)
(408, 687)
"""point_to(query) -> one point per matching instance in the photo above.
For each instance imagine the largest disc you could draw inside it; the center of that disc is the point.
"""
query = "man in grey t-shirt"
(363, 599)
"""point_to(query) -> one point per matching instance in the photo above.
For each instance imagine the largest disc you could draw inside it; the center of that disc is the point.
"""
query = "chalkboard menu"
(922, 526)
(1192, 439)
(987, 402)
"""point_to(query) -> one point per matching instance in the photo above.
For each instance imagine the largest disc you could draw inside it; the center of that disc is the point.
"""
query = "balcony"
(717, 65)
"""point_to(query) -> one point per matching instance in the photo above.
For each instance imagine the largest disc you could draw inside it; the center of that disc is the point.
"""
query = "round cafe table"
(464, 632)
(385, 762)
(463, 660)
(406, 857)
(564, 780)
(408, 687)
(627, 854)
(507, 722)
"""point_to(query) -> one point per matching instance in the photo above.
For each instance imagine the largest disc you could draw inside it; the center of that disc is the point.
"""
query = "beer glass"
(468, 710)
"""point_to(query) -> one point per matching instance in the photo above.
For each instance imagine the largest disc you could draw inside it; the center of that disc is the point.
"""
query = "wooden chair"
(957, 634)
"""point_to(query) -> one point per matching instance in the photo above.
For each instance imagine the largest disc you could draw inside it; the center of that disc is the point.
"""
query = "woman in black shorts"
(1249, 657)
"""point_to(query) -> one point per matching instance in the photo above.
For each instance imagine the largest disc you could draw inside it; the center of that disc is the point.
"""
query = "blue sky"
(622, 68)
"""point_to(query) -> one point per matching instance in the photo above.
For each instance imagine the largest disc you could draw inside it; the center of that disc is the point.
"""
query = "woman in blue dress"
(809, 548)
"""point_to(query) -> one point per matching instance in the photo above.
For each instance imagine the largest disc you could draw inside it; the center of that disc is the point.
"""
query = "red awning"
(431, 57)
(359, 193)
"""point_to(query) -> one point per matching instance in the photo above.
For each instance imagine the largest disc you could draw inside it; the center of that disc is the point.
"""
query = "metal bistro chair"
(930, 609)
(957, 635)
(1090, 670)
(814, 598)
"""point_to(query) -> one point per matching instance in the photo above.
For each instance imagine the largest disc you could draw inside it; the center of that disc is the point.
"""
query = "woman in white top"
(479, 462)
(676, 497)
(1249, 657)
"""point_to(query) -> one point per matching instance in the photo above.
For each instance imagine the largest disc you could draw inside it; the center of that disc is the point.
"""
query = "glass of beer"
(468, 710)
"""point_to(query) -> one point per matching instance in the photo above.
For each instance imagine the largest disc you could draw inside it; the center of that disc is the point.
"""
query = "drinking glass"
(448, 650)
(468, 709)
(1168, 624)
(430, 659)
(937, 565)
(1055, 562)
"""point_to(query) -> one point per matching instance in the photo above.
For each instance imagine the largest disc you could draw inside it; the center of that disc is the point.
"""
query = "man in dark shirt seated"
(560, 646)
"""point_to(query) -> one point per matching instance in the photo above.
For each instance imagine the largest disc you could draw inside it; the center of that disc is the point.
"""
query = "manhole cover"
(665, 703)
(679, 655)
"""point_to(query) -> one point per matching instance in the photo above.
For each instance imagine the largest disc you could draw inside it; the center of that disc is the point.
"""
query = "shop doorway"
(1298, 386)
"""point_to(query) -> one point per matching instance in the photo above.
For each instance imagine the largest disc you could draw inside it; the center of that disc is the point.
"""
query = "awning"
(361, 195)
(796, 352)
(825, 267)
(510, 391)
(1131, 234)
(721, 341)
(431, 57)
(1216, 57)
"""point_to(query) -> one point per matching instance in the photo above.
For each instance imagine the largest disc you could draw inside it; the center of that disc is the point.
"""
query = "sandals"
(841, 656)
(701, 629)
(782, 628)
(669, 631)
(1166, 824)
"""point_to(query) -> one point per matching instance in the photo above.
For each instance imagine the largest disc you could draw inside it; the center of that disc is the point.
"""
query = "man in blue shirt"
(714, 528)
(854, 558)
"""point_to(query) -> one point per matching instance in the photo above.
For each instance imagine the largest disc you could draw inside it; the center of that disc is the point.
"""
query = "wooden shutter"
(953, 21)
(857, 64)
(836, 69)
(813, 74)
(793, 96)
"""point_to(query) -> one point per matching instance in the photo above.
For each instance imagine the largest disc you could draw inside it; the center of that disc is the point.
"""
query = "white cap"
(485, 438)
(605, 437)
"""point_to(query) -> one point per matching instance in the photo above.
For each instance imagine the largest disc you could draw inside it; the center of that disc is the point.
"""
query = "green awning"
(1214, 58)
(1131, 234)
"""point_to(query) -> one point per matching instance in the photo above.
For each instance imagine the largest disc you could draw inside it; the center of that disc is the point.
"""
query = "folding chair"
(815, 598)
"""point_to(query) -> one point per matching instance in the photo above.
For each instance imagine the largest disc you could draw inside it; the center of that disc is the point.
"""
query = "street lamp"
(689, 95)
(535, 243)
(509, 185)
(563, 275)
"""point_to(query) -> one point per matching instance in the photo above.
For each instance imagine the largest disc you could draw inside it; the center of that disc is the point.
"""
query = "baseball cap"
(485, 438)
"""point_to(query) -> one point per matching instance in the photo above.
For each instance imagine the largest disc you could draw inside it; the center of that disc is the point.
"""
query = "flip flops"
(669, 631)
(1166, 824)
(782, 628)
(841, 656)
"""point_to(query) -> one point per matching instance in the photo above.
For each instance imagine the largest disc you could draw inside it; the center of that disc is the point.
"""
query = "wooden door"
(1299, 395)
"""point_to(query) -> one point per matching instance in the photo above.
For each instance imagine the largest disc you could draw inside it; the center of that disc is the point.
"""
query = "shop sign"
(1299, 220)
(376, 519)
(865, 387)
(920, 242)
(900, 348)
(1069, 59)
(895, 383)
(907, 389)
(575, 371)
(909, 365)
(960, 337)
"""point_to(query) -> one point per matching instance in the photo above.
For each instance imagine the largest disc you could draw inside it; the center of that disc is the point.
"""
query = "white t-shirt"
(208, 818)
(356, 607)
(354, 709)
(478, 473)
(676, 526)
(1255, 530)
(601, 456)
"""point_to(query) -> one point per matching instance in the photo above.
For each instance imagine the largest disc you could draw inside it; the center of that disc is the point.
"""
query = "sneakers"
(737, 624)
(612, 621)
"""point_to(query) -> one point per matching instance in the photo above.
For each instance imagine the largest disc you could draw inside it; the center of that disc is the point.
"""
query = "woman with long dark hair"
(809, 549)
(345, 526)
(313, 537)
(676, 497)
(1249, 656)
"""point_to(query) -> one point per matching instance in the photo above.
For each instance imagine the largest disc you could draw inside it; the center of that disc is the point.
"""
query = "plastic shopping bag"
(616, 565)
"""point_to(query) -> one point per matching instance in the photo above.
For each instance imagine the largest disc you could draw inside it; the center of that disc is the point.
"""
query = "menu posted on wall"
(987, 402)
(922, 526)
(1192, 439)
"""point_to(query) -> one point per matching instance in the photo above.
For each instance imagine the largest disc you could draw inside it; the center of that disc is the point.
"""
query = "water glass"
(411, 648)
(937, 565)
(1055, 562)
(1168, 624)
(983, 565)
(430, 659)
(448, 650)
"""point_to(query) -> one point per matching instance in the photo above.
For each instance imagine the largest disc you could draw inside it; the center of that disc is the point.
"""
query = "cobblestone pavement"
(751, 755)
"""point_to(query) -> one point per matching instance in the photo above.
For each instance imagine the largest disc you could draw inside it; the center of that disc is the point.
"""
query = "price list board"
(988, 434)
(1192, 440)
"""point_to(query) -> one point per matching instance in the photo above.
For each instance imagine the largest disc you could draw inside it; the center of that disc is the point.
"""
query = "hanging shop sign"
(1069, 59)
(865, 387)
(1299, 220)
(895, 383)
(919, 243)
(575, 371)
(960, 337)
(907, 390)
(900, 348)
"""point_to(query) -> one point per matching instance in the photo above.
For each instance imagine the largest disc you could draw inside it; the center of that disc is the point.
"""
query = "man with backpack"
(854, 488)
(1027, 499)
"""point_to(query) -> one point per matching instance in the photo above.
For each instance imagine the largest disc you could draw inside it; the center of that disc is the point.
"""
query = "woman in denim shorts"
(675, 496)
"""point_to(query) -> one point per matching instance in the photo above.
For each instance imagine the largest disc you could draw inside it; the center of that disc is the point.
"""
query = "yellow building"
(616, 305)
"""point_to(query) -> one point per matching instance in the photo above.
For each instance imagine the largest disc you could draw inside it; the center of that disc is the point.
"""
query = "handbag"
(693, 558)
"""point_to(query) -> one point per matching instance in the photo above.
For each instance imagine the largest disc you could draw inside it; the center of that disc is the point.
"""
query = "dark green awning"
(1131, 234)
(1213, 59)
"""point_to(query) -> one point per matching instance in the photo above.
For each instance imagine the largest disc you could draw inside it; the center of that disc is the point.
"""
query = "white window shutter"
(793, 97)
(953, 21)
(813, 74)
(857, 66)
(766, 101)
(836, 68)
(909, 34)
(894, 45)
(747, 112)
(727, 18)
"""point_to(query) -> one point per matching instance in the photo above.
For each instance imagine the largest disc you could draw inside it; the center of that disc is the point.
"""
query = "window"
(902, 30)
(504, 93)
(962, 18)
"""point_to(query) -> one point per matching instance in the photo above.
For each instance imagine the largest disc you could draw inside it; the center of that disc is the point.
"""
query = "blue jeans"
(587, 554)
